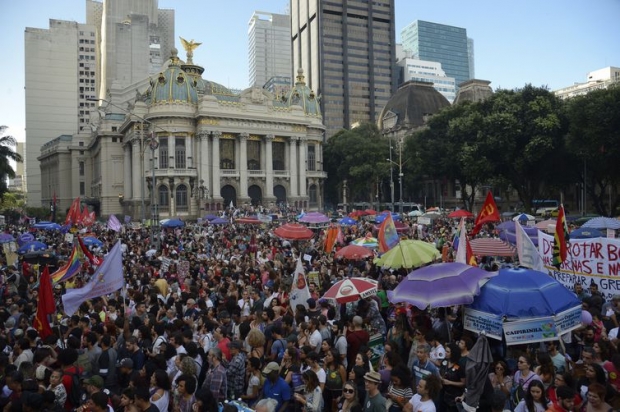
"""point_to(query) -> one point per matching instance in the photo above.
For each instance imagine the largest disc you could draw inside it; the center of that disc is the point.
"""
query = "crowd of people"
(193, 337)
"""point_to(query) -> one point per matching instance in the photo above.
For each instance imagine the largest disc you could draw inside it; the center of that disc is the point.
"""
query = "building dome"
(173, 85)
(411, 106)
(302, 95)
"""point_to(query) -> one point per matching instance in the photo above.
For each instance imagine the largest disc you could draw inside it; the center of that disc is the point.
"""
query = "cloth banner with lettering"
(595, 260)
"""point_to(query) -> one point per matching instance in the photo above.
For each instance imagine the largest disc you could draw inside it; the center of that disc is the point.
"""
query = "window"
(181, 198)
(81, 164)
(253, 155)
(311, 157)
(278, 155)
(312, 194)
(163, 153)
(179, 153)
(164, 197)
(82, 189)
(227, 154)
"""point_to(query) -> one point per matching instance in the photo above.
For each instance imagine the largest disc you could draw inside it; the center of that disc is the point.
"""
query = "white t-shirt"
(315, 340)
(321, 375)
(437, 353)
(421, 406)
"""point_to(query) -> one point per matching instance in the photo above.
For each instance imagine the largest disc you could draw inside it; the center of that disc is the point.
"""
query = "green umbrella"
(409, 254)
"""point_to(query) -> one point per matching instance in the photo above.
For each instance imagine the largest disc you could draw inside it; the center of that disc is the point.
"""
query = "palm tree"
(7, 153)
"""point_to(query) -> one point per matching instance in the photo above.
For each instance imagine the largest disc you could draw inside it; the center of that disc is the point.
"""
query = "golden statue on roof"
(189, 47)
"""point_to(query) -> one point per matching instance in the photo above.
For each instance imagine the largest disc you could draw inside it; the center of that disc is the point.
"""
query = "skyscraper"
(441, 43)
(347, 51)
(269, 47)
(122, 42)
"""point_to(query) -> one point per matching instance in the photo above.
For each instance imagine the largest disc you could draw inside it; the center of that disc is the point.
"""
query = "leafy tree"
(359, 157)
(594, 139)
(7, 154)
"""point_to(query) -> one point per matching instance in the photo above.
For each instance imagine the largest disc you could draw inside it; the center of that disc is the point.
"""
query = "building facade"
(187, 146)
(598, 79)
(347, 50)
(441, 43)
(269, 47)
(425, 71)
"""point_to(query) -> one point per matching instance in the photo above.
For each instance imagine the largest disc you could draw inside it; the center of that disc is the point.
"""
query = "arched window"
(181, 198)
(164, 198)
(313, 195)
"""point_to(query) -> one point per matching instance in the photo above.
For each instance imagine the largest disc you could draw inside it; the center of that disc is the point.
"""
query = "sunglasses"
(345, 390)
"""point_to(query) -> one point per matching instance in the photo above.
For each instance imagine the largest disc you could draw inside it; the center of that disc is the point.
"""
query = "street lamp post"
(204, 193)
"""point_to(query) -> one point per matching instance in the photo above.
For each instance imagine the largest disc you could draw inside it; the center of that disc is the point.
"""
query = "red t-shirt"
(67, 381)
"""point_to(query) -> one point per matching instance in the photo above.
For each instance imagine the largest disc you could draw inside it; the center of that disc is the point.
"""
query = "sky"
(552, 43)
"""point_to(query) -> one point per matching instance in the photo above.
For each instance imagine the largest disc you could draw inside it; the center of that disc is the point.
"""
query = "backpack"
(281, 349)
(517, 393)
(74, 396)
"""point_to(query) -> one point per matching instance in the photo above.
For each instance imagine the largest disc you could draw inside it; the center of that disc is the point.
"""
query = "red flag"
(71, 213)
(488, 213)
(560, 251)
(46, 305)
(94, 260)
(89, 219)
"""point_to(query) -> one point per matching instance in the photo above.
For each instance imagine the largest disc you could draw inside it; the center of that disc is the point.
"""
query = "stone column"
(202, 152)
(269, 167)
(136, 173)
(127, 189)
(171, 151)
(189, 152)
(303, 164)
(215, 190)
(292, 166)
(243, 167)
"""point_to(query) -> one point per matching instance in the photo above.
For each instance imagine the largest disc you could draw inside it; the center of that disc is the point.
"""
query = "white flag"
(107, 279)
(528, 253)
(299, 290)
(461, 252)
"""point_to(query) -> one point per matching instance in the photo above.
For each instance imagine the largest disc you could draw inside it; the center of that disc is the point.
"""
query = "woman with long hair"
(594, 374)
(312, 401)
(357, 375)
(500, 377)
(535, 399)
(399, 392)
(336, 376)
(524, 374)
(453, 379)
(545, 368)
(290, 369)
(160, 390)
(184, 396)
(349, 401)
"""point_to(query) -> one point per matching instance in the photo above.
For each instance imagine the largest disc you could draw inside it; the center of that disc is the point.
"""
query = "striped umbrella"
(492, 247)
(367, 241)
(351, 290)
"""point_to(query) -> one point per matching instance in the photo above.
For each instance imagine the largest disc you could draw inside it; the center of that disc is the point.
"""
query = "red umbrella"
(293, 231)
(351, 289)
(460, 213)
(357, 213)
(354, 252)
(248, 221)
(370, 212)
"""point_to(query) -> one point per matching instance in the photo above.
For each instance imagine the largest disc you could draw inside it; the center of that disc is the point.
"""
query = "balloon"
(586, 317)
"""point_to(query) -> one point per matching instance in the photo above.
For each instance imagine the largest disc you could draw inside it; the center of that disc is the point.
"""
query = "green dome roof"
(302, 95)
(173, 85)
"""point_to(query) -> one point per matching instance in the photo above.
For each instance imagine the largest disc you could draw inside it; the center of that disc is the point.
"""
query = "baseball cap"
(96, 381)
(126, 363)
(271, 367)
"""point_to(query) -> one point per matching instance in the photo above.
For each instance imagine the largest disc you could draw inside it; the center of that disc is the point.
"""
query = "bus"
(545, 208)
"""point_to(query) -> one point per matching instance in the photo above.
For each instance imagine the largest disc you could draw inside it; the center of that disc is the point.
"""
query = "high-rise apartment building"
(269, 47)
(441, 43)
(347, 52)
(60, 74)
(123, 41)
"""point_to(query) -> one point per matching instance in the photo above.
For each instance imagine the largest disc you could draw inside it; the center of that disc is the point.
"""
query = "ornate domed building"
(179, 145)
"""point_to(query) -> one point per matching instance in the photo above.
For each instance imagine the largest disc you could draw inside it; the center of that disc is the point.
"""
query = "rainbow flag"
(71, 268)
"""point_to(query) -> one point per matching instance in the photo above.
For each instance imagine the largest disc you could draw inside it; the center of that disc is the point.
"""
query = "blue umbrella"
(32, 246)
(6, 238)
(219, 221)
(585, 233)
(347, 221)
(24, 238)
(42, 224)
(210, 217)
(52, 226)
(92, 241)
(507, 225)
(510, 236)
(381, 217)
(173, 223)
(603, 223)
(518, 293)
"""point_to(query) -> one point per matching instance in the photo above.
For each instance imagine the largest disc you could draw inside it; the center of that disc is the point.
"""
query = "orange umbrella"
(354, 252)
(293, 231)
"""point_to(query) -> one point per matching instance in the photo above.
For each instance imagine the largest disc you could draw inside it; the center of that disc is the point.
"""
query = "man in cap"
(374, 401)
(236, 370)
(275, 387)
(125, 372)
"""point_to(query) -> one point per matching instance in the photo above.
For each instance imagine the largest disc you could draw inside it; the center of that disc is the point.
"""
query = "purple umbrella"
(314, 217)
(24, 238)
(219, 221)
(440, 285)
(6, 238)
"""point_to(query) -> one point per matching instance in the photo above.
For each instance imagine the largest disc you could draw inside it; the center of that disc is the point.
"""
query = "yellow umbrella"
(409, 254)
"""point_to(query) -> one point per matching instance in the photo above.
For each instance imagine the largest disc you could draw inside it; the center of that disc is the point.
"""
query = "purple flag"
(127, 219)
(114, 224)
